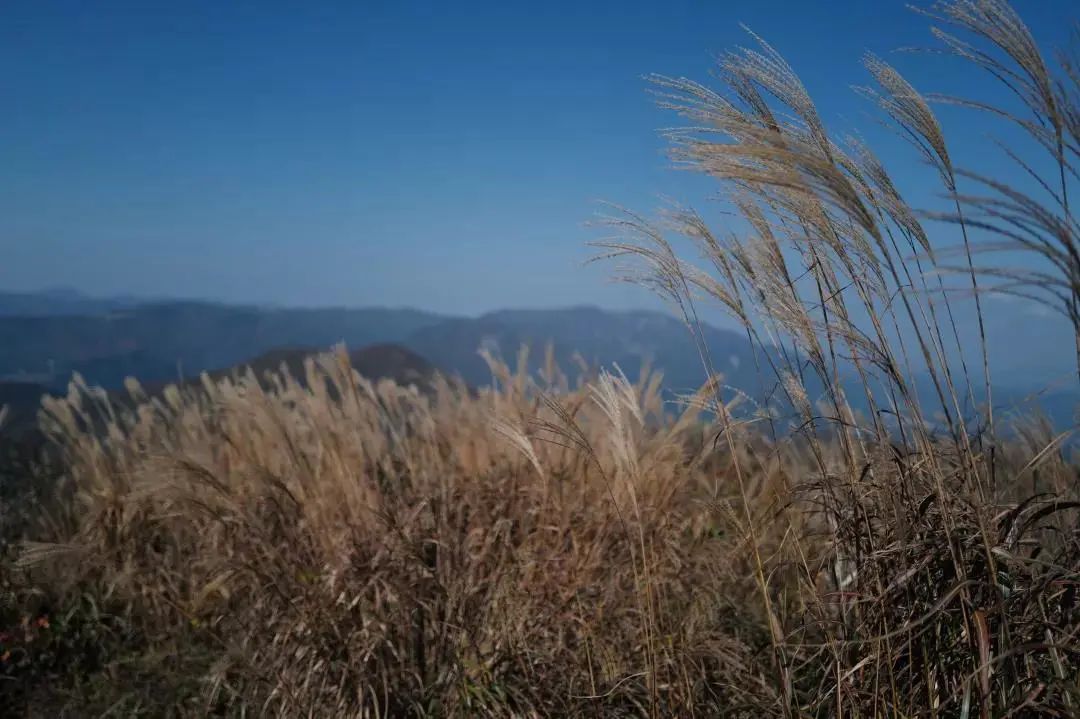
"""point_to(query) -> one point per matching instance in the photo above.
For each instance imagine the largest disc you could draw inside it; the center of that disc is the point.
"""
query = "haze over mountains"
(45, 337)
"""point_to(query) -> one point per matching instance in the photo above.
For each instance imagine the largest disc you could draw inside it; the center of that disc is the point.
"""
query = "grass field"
(325, 546)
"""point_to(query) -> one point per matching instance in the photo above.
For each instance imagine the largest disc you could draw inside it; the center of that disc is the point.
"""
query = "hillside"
(21, 400)
(161, 342)
(630, 339)
(60, 301)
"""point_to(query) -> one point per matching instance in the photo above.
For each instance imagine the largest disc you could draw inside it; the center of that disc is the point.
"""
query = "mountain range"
(165, 341)
(45, 337)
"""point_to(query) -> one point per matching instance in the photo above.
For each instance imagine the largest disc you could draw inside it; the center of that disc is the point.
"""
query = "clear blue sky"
(439, 155)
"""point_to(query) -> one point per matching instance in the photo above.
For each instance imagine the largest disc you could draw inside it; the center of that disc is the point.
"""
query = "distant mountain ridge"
(165, 341)
(631, 339)
(61, 301)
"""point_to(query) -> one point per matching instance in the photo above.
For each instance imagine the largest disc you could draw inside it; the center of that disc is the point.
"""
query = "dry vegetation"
(341, 547)
(335, 548)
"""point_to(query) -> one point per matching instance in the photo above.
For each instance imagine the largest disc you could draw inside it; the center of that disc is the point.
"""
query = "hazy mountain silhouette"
(630, 339)
(166, 341)
(61, 301)
(160, 342)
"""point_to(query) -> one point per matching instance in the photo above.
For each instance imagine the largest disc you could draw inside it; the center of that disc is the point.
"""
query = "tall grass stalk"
(819, 271)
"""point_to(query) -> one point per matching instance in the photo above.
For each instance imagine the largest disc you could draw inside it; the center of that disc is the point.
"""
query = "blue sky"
(440, 155)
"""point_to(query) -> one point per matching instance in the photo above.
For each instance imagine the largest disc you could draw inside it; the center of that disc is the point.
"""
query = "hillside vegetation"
(325, 545)
(344, 548)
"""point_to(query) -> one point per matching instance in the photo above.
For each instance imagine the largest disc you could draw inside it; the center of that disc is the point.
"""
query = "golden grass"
(333, 547)
(357, 548)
